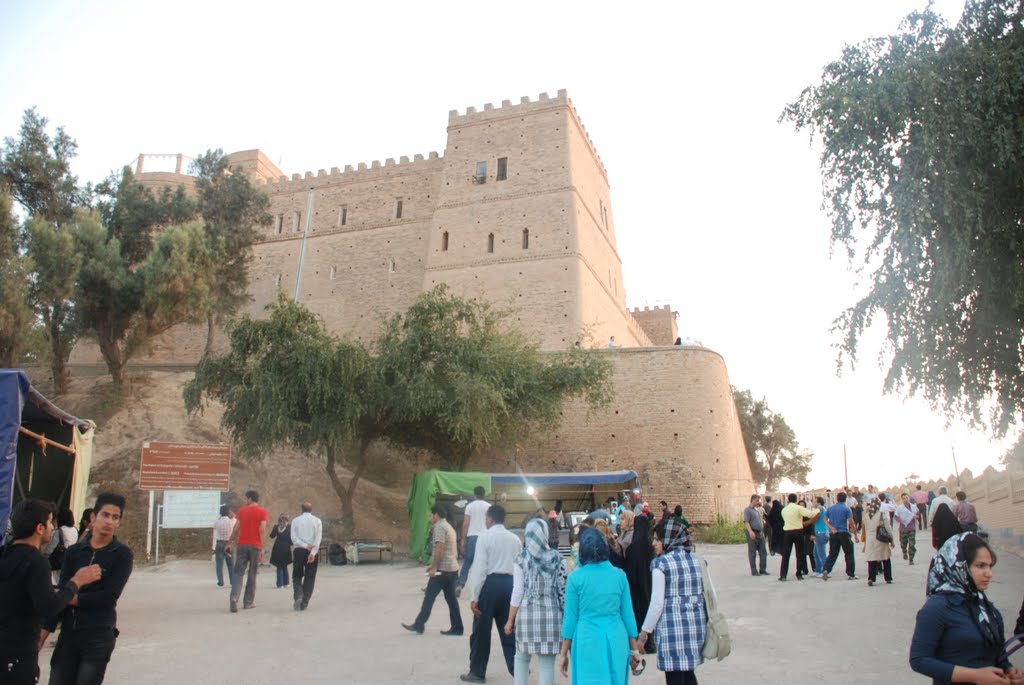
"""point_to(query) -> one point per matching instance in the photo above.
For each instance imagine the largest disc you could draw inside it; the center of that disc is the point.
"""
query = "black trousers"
(81, 656)
(835, 542)
(793, 539)
(680, 678)
(884, 566)
(443, 581)
(303, 575)
(493, 604)
(19, 669)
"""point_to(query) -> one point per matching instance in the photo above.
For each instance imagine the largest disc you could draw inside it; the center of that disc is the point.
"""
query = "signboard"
(184, 466)
(190, 508)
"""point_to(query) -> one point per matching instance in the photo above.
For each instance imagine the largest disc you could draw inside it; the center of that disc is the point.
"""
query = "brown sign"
(184, 466)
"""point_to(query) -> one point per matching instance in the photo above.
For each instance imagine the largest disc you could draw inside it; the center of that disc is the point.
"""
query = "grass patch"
(723, 532)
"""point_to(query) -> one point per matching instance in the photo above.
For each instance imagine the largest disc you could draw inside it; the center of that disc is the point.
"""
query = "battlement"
(524, 106)
(361, 171)
(658, 322)
(664, 308)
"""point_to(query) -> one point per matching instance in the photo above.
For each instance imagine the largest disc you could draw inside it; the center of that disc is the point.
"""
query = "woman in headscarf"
(944, 526)
(538, 595)
(877, 552)
(615, 550)
(281, 552)
(626, 531)
(776, 522)
(598, 619)
(639, 556)
(677, 608)
(958, 637)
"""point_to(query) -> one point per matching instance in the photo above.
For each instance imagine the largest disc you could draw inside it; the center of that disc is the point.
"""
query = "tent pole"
(43, 440)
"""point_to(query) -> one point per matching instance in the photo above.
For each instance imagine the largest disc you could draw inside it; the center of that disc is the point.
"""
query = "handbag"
(882, 534)
(717, 641)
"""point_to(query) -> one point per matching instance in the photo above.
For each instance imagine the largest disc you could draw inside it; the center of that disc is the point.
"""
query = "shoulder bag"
(882, 533)
(717, 642)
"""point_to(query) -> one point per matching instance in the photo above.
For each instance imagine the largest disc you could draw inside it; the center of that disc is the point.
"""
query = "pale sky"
(717, 205)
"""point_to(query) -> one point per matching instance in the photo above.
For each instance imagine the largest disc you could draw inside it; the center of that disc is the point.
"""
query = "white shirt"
(477, 512)
(307, 531)
(941, 499)
(496, 552)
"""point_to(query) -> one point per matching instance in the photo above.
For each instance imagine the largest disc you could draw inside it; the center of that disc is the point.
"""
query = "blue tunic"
(599, 620)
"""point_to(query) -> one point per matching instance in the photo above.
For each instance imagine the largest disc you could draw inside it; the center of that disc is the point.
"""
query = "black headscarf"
(944, 526)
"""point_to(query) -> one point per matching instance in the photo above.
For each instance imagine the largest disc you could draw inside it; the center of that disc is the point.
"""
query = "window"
(444, 241)
(502, 172)
(278, 220)
(334, 272)
(296, 219)
(490, 242)
(343, 215)
(398, 208)
(526, 239)
(481, 172)
(391, 266)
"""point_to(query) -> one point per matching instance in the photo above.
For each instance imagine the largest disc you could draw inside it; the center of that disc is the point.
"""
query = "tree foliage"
(772, 448)
(445, 376)
(17, 320)
(923, 176)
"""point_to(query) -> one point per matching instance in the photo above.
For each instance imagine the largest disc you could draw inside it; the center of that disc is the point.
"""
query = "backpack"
(717, 641)
(57, 555)
(336, 555)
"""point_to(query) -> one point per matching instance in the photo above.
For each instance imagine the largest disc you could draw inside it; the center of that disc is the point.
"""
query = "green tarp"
(423, 495)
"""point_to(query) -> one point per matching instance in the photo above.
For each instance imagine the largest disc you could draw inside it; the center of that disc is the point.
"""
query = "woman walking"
(776, 523)
(959, 637)
(598, 619)
(281, 553)
(535, 614)
(615, 549)
(626, 523)
(944, 526)
(677, 608)
(639, 556)
(877, 551)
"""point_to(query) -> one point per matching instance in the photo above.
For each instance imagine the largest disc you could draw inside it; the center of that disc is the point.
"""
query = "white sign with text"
(190, 508)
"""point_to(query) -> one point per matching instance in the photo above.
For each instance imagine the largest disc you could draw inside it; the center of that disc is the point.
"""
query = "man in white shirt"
(491, 593)
(941, 498)
(307, 531)
(472, 527)
(222, 530)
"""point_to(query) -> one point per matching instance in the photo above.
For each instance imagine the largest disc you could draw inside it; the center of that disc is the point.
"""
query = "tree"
(923, 177)
(462, 381)
(232, 209)
(16, 316)
(771, 445)
(37, 170)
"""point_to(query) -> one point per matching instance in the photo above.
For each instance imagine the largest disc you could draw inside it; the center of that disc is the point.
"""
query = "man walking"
(906, 514)
(921, 501)
(222, 529)
(89, 623)
(307, 532)
(26, 593)
(472, 528)
(443, 572)
(941, 498)
(966, 514)
(839, 519)
(247, 541)
(793, 536)
(754, 523)
(491, 586)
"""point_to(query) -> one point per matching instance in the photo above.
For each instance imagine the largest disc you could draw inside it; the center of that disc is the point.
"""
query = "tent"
(520, 493)
(45, 452)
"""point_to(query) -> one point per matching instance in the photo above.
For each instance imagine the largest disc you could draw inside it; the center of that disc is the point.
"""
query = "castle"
(516, 211)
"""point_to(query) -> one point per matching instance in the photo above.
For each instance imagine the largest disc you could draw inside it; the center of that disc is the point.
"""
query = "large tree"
(772, 448)
(37, 170)
(922, 155)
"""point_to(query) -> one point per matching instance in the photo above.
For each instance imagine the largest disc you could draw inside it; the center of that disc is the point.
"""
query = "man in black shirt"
(26, 595)
(89, 623)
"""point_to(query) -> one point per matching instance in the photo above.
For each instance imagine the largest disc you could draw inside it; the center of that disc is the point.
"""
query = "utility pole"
(956, 469)
(846, 473)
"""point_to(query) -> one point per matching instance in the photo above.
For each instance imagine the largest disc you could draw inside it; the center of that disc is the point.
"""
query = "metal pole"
(149, 527)
(159, 512)
(846, 473)
(956, 469)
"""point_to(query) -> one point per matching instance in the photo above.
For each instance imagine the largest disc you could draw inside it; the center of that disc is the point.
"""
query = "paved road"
(175, 627)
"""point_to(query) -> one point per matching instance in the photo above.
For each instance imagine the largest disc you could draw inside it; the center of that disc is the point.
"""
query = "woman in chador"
(281, 552)
(877, 552)
(639, 556)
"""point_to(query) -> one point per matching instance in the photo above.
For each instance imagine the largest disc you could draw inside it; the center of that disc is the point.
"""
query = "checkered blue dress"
(539, 621)
(683, 623)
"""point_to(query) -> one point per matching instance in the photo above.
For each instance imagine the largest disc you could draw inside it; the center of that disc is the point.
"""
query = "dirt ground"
(175, 627)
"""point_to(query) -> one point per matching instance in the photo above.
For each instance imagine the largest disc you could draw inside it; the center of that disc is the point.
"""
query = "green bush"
(723, 532)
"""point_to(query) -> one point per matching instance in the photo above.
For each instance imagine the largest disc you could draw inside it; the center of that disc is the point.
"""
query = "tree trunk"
(58, 367)
(210, 331)
(114, 359)
(346, 494)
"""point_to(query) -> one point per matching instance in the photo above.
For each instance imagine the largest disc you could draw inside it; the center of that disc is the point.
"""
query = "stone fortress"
(517, 211)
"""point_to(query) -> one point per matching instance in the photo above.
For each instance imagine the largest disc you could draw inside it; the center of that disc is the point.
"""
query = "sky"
(717, 205)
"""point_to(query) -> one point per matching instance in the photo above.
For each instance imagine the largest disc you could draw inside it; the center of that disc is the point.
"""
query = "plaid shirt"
(683, 624)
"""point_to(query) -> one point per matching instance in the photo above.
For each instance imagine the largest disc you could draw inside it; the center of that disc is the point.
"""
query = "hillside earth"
(152, 409)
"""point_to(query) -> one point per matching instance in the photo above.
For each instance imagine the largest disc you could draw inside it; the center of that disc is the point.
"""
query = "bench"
(359, 551)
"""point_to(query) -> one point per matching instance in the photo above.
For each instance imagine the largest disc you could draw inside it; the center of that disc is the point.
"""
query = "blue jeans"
(220, 559)
(282, 576)
(467, 563)
(820, 555)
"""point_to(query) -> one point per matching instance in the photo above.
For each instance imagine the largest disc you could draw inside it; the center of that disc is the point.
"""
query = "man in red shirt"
(249, 534)
(920, 498)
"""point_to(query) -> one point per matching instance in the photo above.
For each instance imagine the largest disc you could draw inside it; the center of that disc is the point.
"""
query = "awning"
(587, 478)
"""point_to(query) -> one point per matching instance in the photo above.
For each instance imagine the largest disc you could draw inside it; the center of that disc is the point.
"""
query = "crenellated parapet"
(525, 106)
(360, 172)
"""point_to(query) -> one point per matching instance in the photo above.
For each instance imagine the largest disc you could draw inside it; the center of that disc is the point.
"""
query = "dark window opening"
(490, 242)
(343, 216)
(481, 172)
(502, 172)
(526, 239)
(398, 209)
(444, 241)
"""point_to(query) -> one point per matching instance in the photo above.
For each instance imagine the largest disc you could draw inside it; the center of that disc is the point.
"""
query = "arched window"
(490, 242)
(526, 239)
